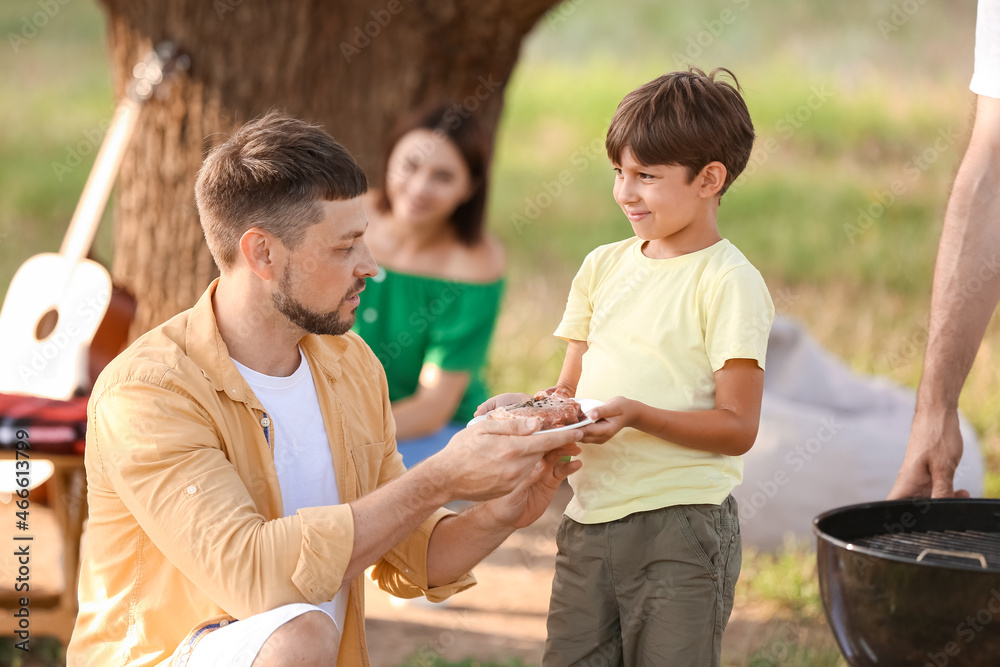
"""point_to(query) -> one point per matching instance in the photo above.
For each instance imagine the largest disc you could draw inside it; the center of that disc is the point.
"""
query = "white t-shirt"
(986, 72)
(302, 455)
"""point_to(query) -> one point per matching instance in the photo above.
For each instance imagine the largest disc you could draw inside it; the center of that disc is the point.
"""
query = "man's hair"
(452, 123)
(687, 119)
(271, 174)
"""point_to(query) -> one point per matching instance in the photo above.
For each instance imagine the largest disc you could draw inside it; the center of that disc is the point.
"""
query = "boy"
(676, 320)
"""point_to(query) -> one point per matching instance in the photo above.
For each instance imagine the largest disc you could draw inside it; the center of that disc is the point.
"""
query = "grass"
(786, 578)
(56, 89)
(782, 590)
(780, 653)
(44, 652)
(840, 208)
(424, 659)
(845, 107)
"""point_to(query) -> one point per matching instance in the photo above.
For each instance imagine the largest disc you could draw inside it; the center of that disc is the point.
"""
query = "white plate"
(586, 404)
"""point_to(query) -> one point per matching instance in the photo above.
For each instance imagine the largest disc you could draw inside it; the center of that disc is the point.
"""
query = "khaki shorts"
(653, 588)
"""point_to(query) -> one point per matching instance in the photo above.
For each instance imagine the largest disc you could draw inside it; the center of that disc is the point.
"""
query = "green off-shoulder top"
(410, 320)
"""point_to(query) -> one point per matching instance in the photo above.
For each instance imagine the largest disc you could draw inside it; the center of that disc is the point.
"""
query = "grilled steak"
(552, 410)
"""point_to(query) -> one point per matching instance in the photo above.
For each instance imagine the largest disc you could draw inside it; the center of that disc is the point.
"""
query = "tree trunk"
(352, 66)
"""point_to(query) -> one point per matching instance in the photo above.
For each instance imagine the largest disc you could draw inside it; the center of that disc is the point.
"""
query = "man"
(241, 457)
(966, 285)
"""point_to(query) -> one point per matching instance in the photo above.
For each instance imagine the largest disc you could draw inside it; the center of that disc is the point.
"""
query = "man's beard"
(321, 324)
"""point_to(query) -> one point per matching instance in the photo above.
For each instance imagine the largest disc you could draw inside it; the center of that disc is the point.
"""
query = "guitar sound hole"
(47, 324)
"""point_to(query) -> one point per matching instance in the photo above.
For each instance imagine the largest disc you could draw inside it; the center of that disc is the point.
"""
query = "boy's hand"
(492, 458)
(610, 418)
(500, 401)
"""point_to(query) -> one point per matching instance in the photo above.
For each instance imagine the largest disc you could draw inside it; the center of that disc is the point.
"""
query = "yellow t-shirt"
(657, 330)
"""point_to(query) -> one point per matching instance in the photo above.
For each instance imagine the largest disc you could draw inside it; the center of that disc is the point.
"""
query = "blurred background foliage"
(862, 111)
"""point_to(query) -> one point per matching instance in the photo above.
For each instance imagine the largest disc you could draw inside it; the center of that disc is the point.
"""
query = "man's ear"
(259, 250)
(713, 177)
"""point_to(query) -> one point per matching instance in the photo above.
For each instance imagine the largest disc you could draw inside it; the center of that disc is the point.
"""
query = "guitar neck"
(82, 228)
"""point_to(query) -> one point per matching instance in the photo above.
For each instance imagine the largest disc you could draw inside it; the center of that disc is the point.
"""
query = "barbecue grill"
(975, 549)
(913, 582)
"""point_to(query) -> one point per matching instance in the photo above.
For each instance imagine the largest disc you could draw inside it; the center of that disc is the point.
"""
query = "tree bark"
(352, 66)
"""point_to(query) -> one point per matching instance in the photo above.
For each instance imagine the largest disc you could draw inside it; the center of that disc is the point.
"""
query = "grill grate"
(965, 548)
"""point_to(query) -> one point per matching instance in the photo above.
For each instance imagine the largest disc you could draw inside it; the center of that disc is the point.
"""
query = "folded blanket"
(828, 438)
(54, 427)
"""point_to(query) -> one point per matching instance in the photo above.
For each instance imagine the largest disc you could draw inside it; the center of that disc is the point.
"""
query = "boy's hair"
(451, 123)
(271, 174)
(687, 119)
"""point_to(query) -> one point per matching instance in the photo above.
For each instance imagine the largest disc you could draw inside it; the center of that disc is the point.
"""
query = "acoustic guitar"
(57, 301)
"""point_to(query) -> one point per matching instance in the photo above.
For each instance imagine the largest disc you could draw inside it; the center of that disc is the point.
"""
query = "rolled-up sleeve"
(327, 540)
(403, 570)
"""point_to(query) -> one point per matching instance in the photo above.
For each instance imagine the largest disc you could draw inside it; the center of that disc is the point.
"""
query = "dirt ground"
(503, 616)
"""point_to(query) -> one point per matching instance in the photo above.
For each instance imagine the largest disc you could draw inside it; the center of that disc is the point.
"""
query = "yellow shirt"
(186, 520)
(656, 331)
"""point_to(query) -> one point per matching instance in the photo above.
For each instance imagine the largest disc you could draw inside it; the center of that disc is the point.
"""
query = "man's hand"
(505, 462)
(492, 458)
(525, 504)
(610, 418)
(501, 400)
(933, 453)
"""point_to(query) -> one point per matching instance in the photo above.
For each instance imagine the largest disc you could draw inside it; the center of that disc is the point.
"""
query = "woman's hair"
(455, 124)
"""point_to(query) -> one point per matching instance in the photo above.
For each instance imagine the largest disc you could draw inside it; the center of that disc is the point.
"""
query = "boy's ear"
(713, 177)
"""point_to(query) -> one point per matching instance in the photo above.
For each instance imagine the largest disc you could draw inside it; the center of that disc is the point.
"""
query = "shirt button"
(191, 490)
(265, 422)
(223, 623)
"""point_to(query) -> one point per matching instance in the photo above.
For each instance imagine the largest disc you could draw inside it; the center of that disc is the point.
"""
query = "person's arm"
(459, 542)
(160, 454)
(458, 345)
(729, 428)
(431, 407)
(965, 293)
(484, 462)
(569, 377)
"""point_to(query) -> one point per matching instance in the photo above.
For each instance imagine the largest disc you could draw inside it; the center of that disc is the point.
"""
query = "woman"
(430, 312)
